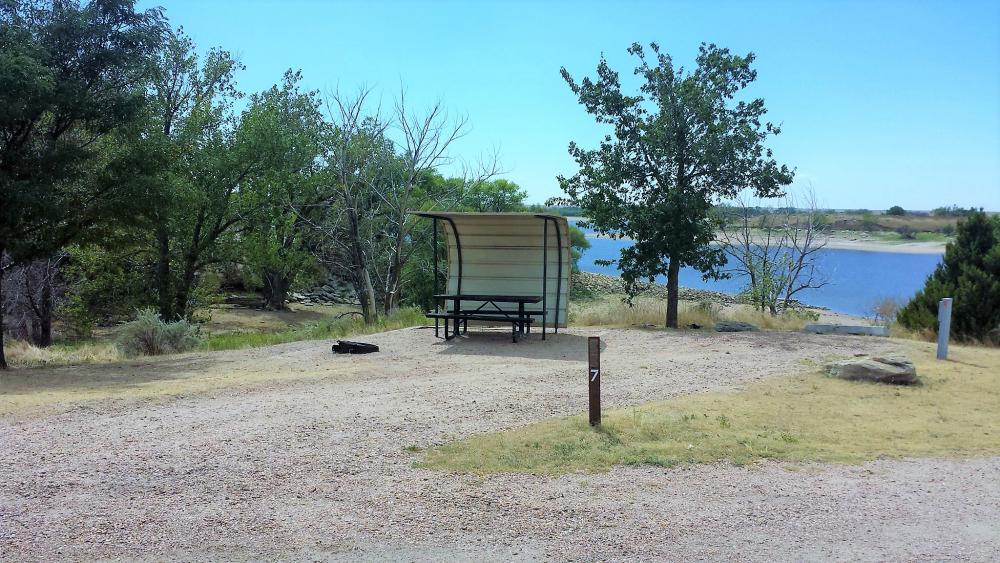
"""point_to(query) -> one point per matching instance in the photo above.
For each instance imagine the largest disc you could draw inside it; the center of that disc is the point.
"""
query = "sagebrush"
(149, 335)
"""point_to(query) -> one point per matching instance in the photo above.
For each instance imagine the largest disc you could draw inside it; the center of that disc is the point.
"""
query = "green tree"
(970, 274)
(281, 202)
(193, 209)
(678, 145)
(497, 196)
(896, 211)
(72, 76)
(578, 244)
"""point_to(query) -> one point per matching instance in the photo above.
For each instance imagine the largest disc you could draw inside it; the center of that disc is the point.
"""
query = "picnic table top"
(494, 298)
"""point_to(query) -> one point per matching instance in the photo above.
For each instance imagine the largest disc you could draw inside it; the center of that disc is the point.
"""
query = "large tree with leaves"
(682, 142)
(194, 206)
(72, 77)
(281, 203)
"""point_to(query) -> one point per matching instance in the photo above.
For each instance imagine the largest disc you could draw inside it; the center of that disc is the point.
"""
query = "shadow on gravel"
(119, 374)
(563, 346)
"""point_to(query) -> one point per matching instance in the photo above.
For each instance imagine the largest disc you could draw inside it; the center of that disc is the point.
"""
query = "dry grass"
(809, 417)
(25, 355)
(273, 328)
(647, 312)
(228, 318)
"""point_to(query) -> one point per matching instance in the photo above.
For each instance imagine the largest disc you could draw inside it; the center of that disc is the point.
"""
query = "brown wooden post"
(594, 378)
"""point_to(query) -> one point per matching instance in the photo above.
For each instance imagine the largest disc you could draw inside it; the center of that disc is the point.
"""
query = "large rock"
(894, 370)
(734, 326)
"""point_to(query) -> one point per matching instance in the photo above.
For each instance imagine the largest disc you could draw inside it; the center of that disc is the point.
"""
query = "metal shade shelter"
(505, 254)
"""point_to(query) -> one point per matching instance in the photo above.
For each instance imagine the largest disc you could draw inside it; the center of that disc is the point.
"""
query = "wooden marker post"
(944, 328)
(594, 378)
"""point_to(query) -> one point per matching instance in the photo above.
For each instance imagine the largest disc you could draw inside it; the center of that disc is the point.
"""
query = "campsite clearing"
(290, 452)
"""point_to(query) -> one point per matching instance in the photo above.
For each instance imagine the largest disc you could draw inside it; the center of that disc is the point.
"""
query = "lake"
(858, 279)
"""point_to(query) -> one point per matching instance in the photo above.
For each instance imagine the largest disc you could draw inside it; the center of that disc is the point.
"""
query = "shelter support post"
(437, 321)
(545, 271)
(558, 272)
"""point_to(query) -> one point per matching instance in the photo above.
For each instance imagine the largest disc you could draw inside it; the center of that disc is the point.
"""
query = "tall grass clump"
(148, 335)
(651, 312)
(321, 330)
(22, 354)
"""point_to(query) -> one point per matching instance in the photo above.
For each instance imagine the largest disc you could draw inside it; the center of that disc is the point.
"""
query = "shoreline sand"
(857, 241)
(862, 245)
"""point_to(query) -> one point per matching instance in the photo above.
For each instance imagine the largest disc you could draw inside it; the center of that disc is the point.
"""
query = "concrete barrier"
(847, 329)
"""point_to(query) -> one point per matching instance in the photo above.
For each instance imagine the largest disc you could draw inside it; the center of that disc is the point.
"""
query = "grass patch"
(808, 417)
(611, 311)
(25, 355)
(922, 236)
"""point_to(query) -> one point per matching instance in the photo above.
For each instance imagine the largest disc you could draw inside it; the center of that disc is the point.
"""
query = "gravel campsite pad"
(315, 463)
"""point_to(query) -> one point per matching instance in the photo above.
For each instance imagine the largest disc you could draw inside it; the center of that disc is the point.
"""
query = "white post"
(944, 327)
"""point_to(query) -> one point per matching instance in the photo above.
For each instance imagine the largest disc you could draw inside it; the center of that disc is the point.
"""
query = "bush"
(946, 230)
(868, 222)
(896, 210)
(906, 232)
(884, 311)
(578, 245)
(970, 274)
(148, 335)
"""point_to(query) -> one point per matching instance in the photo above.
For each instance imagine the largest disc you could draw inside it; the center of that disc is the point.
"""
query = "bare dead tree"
(356, 143)
(755, 247)
(776, 250)
(806, 235)
(31, 292)
(375, 169)
(423, 144)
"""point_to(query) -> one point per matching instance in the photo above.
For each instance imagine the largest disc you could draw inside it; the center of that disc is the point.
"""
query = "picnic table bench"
(490, 310)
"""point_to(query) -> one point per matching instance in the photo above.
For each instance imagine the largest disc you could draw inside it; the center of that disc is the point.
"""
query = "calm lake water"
(858, 279)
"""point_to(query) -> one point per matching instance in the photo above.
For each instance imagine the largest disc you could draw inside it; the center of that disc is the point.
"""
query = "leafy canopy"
(71, 76)
(683, 141)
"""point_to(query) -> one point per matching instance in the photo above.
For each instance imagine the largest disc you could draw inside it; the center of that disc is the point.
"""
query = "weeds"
(25, 355)
(650, 312)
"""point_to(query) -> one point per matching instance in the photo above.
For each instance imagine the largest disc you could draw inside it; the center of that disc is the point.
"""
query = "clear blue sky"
(882, 103)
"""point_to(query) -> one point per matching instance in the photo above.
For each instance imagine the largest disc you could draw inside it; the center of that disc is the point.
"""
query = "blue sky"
(881, 103)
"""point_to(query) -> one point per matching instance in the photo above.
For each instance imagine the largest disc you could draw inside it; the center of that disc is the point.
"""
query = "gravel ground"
(315, 468)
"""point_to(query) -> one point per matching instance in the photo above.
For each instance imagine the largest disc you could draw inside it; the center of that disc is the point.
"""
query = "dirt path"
(314, 466)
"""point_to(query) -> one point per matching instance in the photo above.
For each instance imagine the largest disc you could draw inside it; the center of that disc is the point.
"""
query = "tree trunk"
(395, 284)
(164, 294)
(367, 297)
(3, 358)
(673, 291)
(366, 291)
(44, 333)
(184, 287)
(275, 290)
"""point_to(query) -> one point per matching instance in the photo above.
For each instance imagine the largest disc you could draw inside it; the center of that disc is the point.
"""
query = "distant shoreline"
(845, 243)
(858, 242)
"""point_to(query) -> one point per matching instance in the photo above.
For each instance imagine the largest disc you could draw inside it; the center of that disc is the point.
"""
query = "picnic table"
(490, 309)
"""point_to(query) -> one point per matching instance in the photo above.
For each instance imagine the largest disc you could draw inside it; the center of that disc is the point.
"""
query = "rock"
(847, 329)
(734, 326)
(894, 370)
